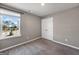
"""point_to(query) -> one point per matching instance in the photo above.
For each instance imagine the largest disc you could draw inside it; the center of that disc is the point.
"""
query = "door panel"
(47, 28)
(44, 29)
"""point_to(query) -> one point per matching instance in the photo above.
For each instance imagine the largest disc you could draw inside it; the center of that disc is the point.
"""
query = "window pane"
(6, 21)
(16, 26)
(10, 25)
(16, 21)
(0, 24)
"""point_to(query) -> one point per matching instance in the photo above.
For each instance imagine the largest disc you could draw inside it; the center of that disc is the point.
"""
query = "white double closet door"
(47, 28)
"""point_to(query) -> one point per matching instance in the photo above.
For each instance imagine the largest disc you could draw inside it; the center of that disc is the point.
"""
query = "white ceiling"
(39, 10)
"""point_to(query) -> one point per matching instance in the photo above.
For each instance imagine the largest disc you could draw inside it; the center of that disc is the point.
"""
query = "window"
(9, 24)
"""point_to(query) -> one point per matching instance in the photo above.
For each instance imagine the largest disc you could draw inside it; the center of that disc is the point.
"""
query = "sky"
(14, 19)
(0, 27)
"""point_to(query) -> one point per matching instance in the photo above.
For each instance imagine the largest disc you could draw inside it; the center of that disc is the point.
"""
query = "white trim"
(19, 44)
(65, 44)
(4, 36)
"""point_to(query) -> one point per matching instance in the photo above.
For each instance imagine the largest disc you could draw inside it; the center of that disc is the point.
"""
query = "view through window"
(9, 25)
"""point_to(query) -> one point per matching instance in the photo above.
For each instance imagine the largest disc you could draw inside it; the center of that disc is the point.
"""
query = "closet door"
(47, 28)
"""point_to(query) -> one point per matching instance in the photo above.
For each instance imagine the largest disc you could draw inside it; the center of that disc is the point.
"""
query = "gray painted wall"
(66, 26)
(30, 28)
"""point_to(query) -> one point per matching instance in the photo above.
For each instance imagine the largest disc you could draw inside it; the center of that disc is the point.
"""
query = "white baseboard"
(19, 44)
(65, 44)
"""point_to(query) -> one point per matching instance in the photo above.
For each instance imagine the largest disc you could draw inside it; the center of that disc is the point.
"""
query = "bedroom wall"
(66, 27)
(30, 28)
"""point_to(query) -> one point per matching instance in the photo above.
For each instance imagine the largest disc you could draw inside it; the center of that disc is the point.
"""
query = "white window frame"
(9, 13)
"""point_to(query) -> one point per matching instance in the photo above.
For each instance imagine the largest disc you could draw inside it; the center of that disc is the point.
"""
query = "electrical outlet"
(66, 39)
